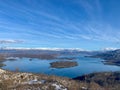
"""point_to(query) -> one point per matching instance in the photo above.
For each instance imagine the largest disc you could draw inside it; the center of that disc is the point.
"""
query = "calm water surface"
(86, 65)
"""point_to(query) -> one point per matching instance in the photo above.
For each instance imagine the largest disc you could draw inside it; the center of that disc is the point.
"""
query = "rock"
(2, 71)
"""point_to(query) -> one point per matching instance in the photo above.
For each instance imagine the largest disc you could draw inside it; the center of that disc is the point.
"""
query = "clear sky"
(86, 24)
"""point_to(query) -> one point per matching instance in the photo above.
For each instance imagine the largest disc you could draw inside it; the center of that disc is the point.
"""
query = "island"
(66, 58)
(63, 64)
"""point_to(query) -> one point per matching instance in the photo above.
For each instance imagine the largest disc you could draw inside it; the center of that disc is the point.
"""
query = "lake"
(86, 65)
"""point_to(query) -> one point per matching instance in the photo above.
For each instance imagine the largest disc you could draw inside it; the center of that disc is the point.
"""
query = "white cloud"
(10, 41)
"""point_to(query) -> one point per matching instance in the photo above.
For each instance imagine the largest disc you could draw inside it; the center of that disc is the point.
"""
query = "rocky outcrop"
(24, 81)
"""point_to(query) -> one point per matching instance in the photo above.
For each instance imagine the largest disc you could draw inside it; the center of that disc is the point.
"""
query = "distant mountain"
(63, 51)
(51, 49)
(109, 49)
(44, 53)
(110, 57)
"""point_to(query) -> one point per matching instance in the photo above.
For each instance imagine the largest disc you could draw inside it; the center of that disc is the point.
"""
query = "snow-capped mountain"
(109, 49)
(51, 49)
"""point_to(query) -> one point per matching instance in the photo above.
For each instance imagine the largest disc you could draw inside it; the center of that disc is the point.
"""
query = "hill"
(110, 57)
(108, 80)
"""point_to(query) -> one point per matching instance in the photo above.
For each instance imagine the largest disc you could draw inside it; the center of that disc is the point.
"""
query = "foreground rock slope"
(28, 81)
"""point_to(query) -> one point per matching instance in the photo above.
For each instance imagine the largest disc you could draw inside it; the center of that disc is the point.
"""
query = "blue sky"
(86, 24)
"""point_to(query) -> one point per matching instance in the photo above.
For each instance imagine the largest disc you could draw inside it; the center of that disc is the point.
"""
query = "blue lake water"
(86, 65)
